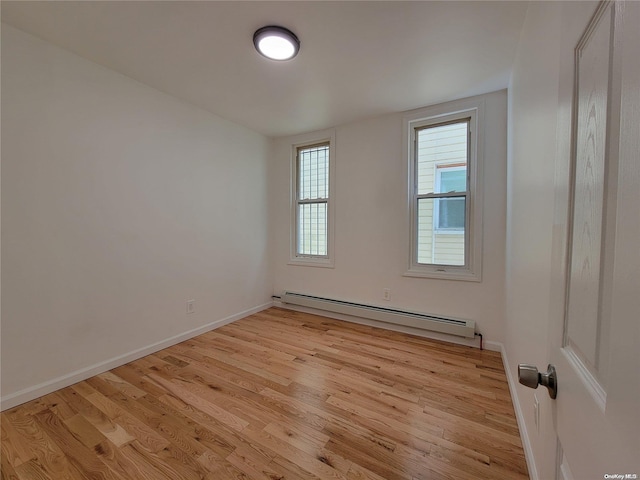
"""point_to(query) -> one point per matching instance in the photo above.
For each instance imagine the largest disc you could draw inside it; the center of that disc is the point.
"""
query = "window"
(311, 207)
(312, 166)
(443, 166)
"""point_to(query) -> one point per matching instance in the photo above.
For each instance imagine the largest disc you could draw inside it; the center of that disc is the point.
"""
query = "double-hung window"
(311, 207)
(444, 210)
(312, 164)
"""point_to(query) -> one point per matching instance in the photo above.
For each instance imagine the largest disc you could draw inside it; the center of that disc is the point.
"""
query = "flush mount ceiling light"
(276, 43)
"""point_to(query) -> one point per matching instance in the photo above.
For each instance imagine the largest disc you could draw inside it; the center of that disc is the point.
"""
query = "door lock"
(529, 376)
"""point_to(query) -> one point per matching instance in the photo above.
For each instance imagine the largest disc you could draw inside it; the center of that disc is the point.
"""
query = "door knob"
(529, 376)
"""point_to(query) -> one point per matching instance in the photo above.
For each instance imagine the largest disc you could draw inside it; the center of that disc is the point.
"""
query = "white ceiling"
(357, 59)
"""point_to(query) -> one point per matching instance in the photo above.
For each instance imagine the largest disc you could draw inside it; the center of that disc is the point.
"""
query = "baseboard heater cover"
(452, 326)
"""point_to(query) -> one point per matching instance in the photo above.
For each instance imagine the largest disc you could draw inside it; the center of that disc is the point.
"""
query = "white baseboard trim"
(31, 393)
(493, 346)
(524, 435)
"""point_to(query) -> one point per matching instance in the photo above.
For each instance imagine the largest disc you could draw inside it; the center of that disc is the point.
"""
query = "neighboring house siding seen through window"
(445, 217)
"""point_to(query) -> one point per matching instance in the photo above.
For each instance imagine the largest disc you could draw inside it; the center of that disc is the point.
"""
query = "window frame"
(452, 112)
(301, 142)
(300, 202)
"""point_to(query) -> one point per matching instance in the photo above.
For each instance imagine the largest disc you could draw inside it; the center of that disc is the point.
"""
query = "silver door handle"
(529, 376)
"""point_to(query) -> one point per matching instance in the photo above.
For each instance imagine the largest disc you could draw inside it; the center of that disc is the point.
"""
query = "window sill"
(311, 262)
(443, 274)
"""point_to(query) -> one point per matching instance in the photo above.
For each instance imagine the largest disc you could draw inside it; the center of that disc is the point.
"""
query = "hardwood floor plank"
(290, 470)
(7, 472)
(312, 463)
(47, 455)
(197, 396)
(346, 403)
(254, 464)
(305, 439)
(232, 374)
(474, 467)
(198, 426)
(82, 429)
(16, 448)
(277, 395)
(78, 455)
(372, 463)
(121, 385)
(118, 460)
(34, 470)
(358, 472)
(135, 428)
(146, 467)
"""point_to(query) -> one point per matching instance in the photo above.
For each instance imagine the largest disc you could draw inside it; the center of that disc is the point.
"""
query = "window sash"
(312, 229)
(442, 215)
(466, 195)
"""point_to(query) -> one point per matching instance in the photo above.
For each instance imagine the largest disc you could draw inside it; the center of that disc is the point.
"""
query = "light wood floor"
(277, 395)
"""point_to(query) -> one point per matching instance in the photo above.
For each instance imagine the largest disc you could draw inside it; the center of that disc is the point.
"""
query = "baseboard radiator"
(452, 326)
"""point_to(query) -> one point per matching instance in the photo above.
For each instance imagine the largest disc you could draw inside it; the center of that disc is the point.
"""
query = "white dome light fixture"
(276, 43)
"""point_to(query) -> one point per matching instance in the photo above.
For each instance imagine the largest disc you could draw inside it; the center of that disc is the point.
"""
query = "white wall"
(533, 105)
(371, 228)
(119, 204)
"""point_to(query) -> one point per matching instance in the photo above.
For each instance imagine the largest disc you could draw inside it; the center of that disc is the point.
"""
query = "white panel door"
(597, 350)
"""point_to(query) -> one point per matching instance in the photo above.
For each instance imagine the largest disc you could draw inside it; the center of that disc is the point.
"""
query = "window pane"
(313, 172)
(452, 180)
(312, 229)
(438, 145)
(437, 246)
(451, 213)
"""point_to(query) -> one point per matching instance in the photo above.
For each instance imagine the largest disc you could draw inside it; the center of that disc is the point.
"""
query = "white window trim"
(446, 112)
(302, 141)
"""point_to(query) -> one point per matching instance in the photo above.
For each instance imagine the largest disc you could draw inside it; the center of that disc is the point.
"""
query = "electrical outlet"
(386, 294)
(536, 413)
(191, 306)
